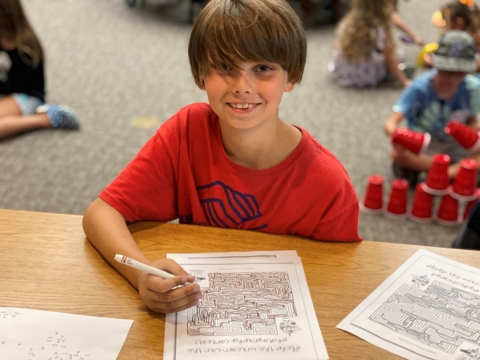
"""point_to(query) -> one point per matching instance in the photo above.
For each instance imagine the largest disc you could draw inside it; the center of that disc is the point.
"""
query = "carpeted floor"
(125, 71)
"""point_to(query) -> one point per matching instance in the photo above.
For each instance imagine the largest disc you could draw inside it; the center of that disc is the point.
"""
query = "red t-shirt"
(183, 172)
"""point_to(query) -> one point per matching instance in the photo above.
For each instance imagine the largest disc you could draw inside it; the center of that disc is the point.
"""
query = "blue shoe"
(61, 117)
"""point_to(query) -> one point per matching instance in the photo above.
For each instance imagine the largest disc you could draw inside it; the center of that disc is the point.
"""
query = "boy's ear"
(201, 86)
(289, 86)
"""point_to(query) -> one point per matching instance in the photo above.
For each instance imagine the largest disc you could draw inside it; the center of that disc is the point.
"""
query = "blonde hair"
(15, 26)
(230, 31)
(359, 28)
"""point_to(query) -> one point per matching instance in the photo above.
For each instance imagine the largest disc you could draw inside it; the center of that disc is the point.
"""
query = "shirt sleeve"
(406, 103)
(474, 90)
(343, 227)
(146, 189)
(339, 219)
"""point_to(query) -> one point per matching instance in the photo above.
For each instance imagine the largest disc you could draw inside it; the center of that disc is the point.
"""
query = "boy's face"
(447, 82)
(246, 97)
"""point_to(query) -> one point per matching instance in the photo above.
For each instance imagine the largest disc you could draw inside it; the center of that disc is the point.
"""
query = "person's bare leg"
(12, 122)
(13, 125)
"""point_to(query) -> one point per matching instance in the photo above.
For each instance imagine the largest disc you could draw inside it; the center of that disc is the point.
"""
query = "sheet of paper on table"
(42, 335)
(254, 304)
(429, 308)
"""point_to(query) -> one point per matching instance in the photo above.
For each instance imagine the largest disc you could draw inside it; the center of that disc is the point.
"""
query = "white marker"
(144, 267)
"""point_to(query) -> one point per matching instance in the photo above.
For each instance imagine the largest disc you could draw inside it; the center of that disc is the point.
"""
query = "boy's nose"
(241, 84)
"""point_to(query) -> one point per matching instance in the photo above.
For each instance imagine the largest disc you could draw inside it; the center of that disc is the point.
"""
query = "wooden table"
(47, 264)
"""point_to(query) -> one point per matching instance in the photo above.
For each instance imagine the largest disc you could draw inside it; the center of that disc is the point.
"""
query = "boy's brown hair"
(231, 31)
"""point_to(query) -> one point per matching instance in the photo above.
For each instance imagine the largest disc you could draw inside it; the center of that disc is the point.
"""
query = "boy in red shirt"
(230, 163)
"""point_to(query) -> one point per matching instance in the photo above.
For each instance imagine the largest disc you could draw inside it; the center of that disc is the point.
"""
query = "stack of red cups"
(373, 200)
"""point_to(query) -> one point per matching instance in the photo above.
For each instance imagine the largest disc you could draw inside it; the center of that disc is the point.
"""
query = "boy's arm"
(473, 123)
(106, 229)
(392, 123)
(399, 23)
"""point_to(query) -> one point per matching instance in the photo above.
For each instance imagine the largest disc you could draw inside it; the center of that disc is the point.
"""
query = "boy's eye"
(219, 66)
(224, 67)
(263, 68)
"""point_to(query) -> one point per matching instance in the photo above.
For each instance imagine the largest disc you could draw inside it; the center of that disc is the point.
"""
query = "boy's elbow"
(92, 217)
(87, 220)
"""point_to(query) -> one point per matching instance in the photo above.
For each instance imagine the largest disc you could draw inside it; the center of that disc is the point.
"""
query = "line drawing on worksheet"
(429, 308)
(245, 303)
(252, 304)
(440, 316)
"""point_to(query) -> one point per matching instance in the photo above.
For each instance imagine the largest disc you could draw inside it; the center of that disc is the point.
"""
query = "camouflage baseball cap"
(456, 52)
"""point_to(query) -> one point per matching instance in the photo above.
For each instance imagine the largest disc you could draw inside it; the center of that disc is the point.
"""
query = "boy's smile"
(247, 96)
(243, 108)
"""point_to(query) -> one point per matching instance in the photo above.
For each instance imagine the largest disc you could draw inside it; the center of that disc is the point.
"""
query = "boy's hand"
(157, 293)
(406, 83)
(392, 123)
(418, 40)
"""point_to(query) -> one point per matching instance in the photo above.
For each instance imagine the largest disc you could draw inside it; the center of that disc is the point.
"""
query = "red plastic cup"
(373, 201)
(465, 183)
(470, 205)
(397, 204)
(464, 135)
(422, 208)
(448, 211)
(414, 141)
(437, 182)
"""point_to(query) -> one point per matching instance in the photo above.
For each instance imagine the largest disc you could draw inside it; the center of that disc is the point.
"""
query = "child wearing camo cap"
(446, 92)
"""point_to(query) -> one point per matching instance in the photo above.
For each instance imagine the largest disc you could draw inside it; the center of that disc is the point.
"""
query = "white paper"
(27, 334)
(429, 308)
(255, 304)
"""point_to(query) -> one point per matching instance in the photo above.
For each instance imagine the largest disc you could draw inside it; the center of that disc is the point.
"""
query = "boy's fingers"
(191, 279)
(168, 295)
(174, 300)
(172, 307)
(160, 285)
(172, 267)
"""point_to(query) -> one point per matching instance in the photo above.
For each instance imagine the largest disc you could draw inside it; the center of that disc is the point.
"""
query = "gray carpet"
(125, 70)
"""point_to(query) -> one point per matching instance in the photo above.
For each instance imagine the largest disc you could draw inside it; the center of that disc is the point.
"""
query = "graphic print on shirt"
(5, 65)
(435, 118)
(229, 208)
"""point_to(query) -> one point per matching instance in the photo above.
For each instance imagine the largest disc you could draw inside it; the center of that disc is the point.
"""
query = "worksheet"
(253, 304)
(27, 334)
(427, 309)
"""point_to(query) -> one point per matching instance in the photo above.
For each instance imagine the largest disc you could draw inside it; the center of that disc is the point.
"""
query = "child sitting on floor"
(233, 162)
(364, 51)
(22, 83)
(447, 92)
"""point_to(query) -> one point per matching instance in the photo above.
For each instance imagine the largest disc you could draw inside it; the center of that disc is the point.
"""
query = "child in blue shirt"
(447, 92)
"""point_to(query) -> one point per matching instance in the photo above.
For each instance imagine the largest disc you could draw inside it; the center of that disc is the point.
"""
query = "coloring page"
(253, 304)
(428, 309)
